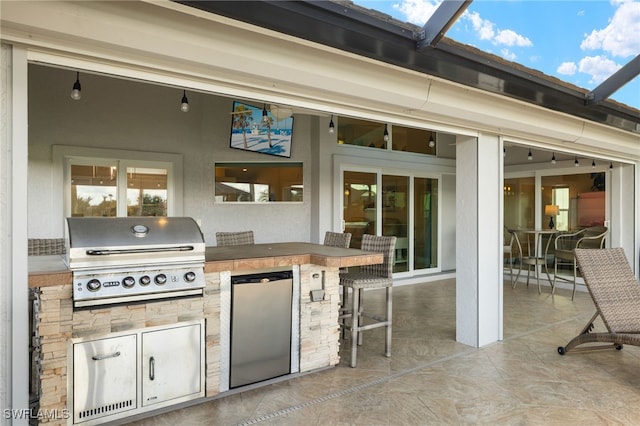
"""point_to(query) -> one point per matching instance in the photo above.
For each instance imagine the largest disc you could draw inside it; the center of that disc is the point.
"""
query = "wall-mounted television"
(264, 129)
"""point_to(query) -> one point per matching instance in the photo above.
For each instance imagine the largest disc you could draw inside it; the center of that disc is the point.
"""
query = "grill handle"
(140, 250)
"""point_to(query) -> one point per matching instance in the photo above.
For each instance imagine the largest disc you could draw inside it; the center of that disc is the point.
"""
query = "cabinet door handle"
(100, 357)
(152, 368)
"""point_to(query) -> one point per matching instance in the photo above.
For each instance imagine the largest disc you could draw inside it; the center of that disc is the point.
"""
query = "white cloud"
(507, 54)
(567, 68)
(511, 38)
(622, 36)
(599, 67)
(417, 11)
(483, 27)
(485, 30)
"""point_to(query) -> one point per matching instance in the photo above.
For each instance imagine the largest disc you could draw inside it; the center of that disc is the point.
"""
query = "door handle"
(101, 357)
(152, 368)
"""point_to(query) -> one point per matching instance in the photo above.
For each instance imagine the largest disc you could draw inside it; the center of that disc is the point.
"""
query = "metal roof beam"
(614, 82)
(442, 19)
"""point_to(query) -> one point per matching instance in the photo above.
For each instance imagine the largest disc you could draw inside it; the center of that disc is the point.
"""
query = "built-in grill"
(128, 259)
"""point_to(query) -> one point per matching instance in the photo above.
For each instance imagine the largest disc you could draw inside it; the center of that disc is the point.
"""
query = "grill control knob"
(128, 282)
(190, 276)
(93, 284)
(160, 279)
(145, 280)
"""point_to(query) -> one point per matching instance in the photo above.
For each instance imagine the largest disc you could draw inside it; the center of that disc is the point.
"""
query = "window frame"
(217, 197)
(66, 156)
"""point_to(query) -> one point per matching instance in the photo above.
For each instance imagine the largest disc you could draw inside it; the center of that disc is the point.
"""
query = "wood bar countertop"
(52, 270)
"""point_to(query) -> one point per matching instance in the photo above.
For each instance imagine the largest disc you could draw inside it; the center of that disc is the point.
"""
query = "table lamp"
(551, 211)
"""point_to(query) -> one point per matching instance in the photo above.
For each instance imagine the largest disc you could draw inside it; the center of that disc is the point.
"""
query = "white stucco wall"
(120, 114)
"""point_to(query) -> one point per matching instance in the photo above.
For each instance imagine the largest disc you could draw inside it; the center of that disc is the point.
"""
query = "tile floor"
(432, 380)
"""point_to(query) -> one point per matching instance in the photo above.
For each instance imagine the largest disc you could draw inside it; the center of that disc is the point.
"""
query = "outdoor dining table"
(538, 256)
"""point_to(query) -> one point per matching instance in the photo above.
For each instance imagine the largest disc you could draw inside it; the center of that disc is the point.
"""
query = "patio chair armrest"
(585, 240)
(567, 241)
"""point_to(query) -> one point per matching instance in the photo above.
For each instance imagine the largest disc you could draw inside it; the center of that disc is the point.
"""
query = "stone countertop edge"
(52, 270)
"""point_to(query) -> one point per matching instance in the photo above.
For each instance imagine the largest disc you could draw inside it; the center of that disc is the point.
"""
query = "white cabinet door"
(104, 377)
(172, 363)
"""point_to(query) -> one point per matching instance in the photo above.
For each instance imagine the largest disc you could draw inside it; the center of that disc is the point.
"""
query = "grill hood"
(97, 242)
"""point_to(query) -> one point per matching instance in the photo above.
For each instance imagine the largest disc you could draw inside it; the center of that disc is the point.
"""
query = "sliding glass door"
(425, 223)
(395, 217)
(360, 213)
(403, 205)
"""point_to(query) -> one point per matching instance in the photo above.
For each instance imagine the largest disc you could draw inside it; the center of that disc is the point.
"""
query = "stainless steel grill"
(117, 260)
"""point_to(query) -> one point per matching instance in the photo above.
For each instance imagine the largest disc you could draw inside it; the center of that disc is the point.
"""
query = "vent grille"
(105, 410)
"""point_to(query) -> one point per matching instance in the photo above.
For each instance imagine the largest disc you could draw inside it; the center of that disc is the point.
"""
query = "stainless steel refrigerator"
(260, 327)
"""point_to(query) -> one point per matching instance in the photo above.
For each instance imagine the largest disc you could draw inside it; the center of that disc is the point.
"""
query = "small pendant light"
(593, 164)
(553, 158)
(576, 163)
(76, 92)
(432, 141)
(530, 155)
(332, 127)
(386, 134)
(184, 105)
(265, 118)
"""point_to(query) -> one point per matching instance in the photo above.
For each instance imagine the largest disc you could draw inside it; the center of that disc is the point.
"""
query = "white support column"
(479, 176)
(14, 299)
(623, 183)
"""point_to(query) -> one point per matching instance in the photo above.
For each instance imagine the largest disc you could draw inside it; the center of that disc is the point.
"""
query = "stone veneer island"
(315, 267)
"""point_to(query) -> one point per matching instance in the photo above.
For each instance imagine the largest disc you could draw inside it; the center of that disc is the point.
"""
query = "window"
(146, 191)
(413, 140)
(352, 131)
(93, 190)
(580, 198)
(370, 134)
(560, 198)
(110, 183)
(258, 182)
(519, 202)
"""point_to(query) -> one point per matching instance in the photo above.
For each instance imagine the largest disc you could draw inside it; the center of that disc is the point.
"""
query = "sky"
(581, 42)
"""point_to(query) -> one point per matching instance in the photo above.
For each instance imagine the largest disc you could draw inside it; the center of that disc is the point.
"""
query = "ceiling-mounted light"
(576, 163)
(184, 103)
(530, 155)
(553, 158)
(593, 164)
(76, 92)
(611, 165)
(432, 141)
(504, 152)
(332, 127)
(385, 134)
(265, 118)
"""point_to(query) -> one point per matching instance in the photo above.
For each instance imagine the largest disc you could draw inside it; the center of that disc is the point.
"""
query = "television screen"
(261, 129)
